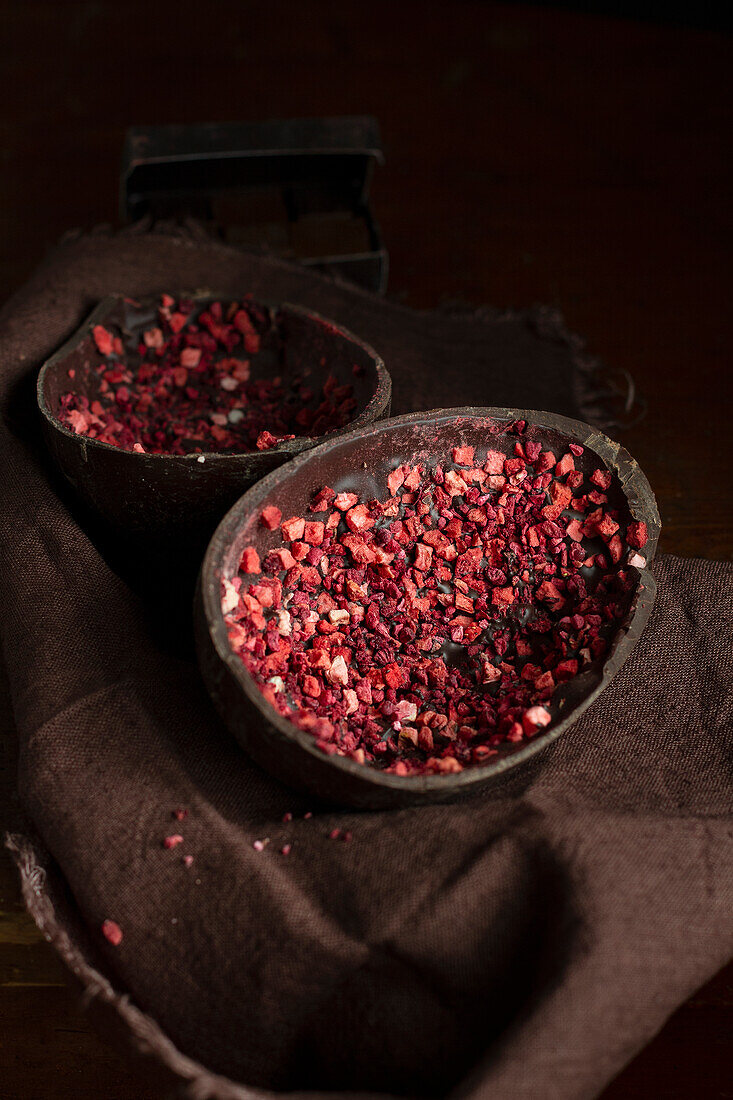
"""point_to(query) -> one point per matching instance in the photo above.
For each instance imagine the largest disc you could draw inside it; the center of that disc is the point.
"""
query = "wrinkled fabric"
(523, 943)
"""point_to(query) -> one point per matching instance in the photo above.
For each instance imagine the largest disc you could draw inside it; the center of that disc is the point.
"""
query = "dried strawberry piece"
(103, 340)
(337, 672)
(494, 463)
(358, 517)
(464, 455)
(550, 593)
(545, 462)
(534, 719)
(250, 561)
(394, 480)
(344, 501)
(293, 528)
(615, 549)
(270, 517)
(314, 532)
(190, 357)
(513, 466)
(322, 499)
(283, 559)
(561, 496)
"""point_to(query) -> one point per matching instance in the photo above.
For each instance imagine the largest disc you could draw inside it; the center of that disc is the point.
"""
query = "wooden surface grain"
(532, 156)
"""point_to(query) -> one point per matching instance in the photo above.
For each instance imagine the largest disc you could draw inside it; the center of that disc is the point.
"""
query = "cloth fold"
(524, 943)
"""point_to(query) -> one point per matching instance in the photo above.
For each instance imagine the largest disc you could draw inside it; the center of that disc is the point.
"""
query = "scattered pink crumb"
(172, 841)
(112, 932)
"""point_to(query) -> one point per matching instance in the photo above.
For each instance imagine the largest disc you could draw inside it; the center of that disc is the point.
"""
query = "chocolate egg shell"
(360, 462)
(178, 499)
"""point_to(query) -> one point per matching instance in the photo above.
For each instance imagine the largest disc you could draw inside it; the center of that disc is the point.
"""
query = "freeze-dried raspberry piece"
(601, 478)
(636, 534)
(271, 517)
(265, 441)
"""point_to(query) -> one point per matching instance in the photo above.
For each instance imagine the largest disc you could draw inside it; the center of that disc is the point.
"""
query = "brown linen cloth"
(522, 944)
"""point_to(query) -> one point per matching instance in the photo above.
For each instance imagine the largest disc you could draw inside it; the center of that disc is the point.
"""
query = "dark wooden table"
(533, 155)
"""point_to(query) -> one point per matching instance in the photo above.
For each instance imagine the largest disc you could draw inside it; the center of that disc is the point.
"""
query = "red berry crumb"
(112, 932)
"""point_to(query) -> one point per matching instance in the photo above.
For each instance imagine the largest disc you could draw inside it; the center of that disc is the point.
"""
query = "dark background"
(534, 154)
